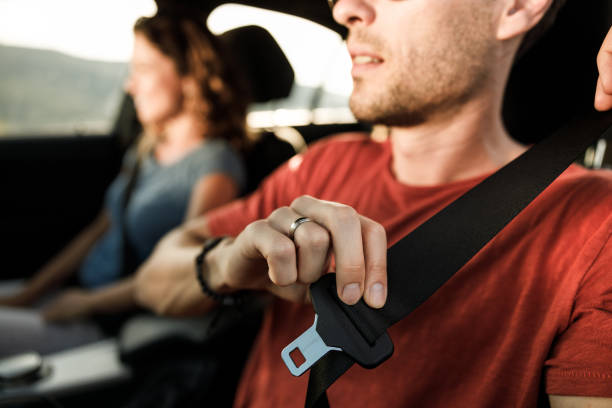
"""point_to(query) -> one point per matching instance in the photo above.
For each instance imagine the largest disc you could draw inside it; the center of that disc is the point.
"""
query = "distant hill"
(57, 92)
(45, 92)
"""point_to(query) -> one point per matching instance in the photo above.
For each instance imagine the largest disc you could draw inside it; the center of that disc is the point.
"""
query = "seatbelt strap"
(129, 261)
(421, 262)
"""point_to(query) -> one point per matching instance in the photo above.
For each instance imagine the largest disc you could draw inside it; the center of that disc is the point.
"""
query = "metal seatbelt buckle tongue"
(333, 330)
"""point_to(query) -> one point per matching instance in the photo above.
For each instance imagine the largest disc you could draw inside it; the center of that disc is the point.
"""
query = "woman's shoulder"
(217, 156)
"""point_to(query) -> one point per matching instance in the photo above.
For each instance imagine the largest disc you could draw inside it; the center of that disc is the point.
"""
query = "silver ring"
(296, 224)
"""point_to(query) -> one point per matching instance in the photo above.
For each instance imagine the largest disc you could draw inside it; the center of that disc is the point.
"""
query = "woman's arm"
(212, 190)
(78, 304)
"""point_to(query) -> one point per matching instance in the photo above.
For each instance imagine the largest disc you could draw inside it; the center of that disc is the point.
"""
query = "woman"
(193, 112)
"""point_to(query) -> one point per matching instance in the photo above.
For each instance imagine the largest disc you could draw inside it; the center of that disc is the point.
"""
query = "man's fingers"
(311, 240)
(604, 63)
(277, 249)
(344, 225)
(297, 293)
(603, 100)
(375, 247)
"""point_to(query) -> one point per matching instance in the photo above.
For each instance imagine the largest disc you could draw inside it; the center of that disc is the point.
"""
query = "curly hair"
(223, 97)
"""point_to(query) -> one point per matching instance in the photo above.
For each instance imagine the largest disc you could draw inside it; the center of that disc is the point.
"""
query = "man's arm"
(166, 283)
(561, 401)
(264, 257)
(603, 95)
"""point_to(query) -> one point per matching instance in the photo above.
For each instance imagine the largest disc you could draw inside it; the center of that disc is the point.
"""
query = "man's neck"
(456, 146)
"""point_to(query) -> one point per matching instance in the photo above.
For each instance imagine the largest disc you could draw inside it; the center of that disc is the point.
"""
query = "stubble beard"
(425, 82)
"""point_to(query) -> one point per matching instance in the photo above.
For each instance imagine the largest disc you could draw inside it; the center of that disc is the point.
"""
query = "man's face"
(416, 58)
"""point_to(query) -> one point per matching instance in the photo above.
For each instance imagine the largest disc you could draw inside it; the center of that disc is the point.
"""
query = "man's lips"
(364, 61)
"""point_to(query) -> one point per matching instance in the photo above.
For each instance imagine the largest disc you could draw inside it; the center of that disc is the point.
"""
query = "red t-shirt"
(535, 303)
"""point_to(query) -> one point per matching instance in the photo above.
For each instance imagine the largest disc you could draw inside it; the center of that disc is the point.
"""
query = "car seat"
(166, 362)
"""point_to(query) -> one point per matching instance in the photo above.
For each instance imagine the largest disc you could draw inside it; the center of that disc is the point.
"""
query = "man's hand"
(72, 304)
(263, 256)
(603, 95)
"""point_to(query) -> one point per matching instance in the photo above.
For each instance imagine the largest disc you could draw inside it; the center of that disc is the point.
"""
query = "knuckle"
(316, 239)
(352, 273)
(376, 230)
(604, 60)
(300, 201)
(282, 278)
(282, 249)
(254, 227)
(344, 214)
(311, 272)
(377, 270)
(279, 212)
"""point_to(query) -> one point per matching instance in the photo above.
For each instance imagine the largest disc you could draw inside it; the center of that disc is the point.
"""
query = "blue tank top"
(158, 203)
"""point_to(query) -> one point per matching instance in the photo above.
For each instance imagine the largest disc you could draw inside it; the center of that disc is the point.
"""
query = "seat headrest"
(264, 64)
(555, 80)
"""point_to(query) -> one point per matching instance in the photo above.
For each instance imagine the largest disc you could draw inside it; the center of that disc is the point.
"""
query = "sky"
(102, 30)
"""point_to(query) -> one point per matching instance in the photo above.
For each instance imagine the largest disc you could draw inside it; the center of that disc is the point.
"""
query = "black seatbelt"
(343, 335)
(129, 259)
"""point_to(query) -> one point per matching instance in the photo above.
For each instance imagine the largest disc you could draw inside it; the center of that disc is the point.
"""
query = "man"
(603, 95)
(532, 308)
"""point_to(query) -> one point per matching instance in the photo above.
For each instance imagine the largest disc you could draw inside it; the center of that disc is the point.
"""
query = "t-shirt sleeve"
(277, 190)
(581, 359)
(306, 173)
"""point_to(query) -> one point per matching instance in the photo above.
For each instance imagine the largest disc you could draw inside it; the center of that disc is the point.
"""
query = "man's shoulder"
(343, 140)
(578, 180)
(583, 192)
(344, 146)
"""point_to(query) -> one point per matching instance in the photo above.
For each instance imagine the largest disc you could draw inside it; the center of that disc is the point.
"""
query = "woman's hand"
(14, 301)
(70, 305)
(22, 298)
(603, 95)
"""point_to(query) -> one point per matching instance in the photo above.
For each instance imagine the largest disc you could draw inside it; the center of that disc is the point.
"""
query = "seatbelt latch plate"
(312, 347)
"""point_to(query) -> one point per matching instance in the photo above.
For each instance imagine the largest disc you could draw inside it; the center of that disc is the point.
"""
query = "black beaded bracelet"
(225, 299)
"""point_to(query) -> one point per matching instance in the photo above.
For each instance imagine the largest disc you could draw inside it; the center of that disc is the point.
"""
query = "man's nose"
(351, 12)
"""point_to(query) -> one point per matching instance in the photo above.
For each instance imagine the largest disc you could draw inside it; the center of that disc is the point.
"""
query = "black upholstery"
(270, 76)
(264, 64)
(556, 79)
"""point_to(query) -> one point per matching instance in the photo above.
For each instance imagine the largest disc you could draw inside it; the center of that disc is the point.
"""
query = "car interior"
(53, 184)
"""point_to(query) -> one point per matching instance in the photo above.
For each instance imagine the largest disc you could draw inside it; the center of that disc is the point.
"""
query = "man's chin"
(363, 108)
(379, 114)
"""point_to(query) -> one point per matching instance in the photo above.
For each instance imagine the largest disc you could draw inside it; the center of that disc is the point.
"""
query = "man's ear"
(520, 16)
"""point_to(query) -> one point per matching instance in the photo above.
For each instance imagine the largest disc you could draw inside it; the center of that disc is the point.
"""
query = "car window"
(318, 57)
(64, 63)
